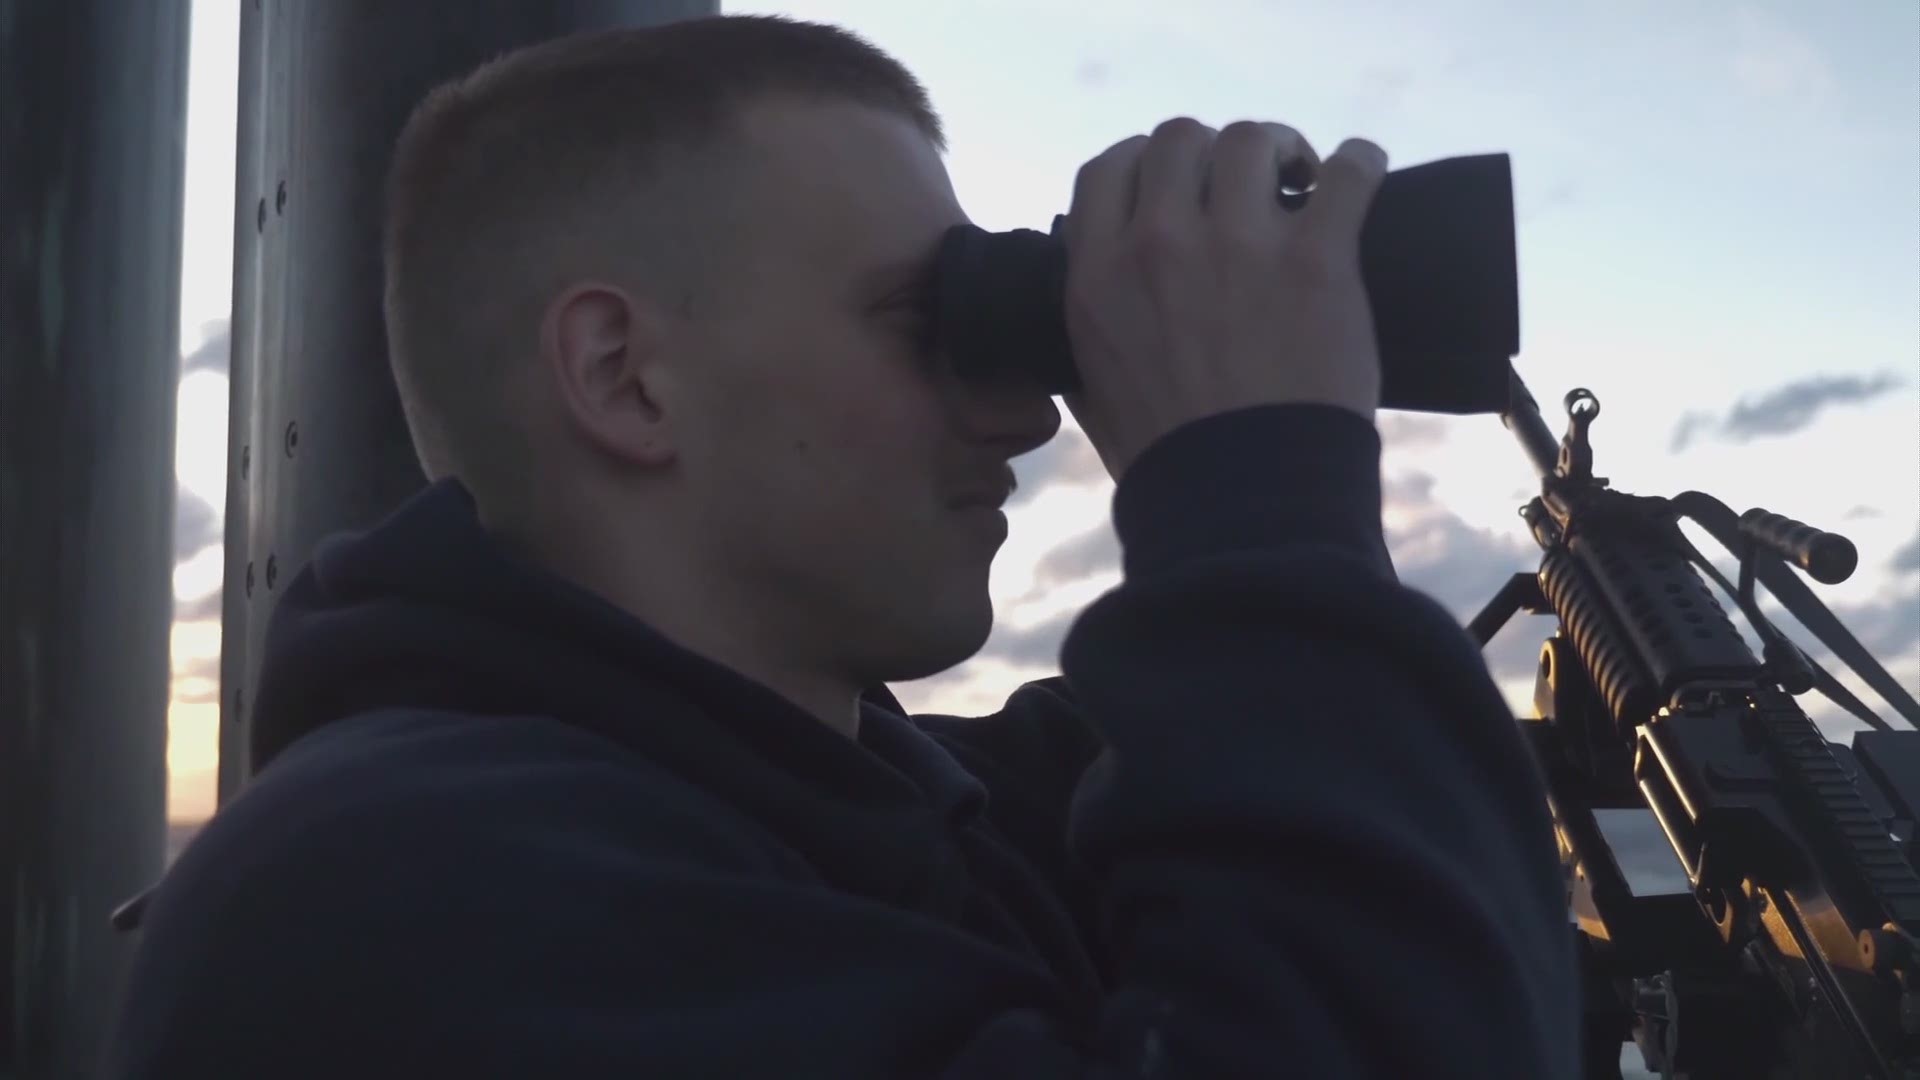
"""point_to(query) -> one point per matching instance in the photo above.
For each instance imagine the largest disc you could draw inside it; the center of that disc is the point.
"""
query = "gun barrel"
(1524, 420)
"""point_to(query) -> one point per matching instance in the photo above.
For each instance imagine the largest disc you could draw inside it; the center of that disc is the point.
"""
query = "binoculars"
(1436, 254)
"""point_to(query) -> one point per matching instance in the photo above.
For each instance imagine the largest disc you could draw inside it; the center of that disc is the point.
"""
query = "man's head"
(652, 296)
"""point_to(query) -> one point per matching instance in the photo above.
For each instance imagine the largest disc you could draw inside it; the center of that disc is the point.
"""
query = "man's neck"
(712, 622)
(827, 700)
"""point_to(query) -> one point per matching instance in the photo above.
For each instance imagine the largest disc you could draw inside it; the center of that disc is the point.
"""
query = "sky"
(1717, 232)
(1718, 208)
(1717, 228)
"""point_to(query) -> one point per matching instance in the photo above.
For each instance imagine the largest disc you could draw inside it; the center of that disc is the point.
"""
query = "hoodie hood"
(428, 611)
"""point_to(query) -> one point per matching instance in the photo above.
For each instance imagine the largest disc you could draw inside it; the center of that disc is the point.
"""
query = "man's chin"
(938, 646)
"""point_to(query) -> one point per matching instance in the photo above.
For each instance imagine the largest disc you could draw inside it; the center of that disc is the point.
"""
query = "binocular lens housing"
(1437, 255)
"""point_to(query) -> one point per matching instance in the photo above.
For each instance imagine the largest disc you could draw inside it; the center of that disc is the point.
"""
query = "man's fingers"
(1251, 163)
(1173, 169)
(1240, 178)
(1344, 192)
(1103, 192)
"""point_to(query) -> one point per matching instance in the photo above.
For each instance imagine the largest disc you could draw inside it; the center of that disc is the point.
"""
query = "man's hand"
(1192, 291)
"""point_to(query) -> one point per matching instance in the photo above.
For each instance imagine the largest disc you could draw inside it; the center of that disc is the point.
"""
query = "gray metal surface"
(92, 145)
(317, 441)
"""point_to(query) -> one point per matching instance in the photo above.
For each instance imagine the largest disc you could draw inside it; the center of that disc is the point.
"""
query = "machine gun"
(1793, 952)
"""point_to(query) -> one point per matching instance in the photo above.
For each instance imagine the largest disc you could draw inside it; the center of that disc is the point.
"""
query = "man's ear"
(602, 346)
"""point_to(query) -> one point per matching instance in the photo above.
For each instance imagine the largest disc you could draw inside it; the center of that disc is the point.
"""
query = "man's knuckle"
(1245, 132)
(1366, 155)
(1113, 158)
(1095, 174)
(1354, 168)
(1182, 129)
(1341, 168)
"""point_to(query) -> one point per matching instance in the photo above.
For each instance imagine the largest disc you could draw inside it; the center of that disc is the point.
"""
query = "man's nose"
(1014, 417)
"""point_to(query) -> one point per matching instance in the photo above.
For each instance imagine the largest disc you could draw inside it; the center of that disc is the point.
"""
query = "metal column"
(317, 442)
(92, 159)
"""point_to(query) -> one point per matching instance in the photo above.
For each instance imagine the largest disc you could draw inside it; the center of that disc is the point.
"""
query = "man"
(583, 765)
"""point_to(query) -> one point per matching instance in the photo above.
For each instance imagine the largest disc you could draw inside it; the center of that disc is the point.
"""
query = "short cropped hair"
(546, 162)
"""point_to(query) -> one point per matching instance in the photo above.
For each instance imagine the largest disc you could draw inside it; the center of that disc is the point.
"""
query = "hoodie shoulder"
(349, 793)
(1031, 755)
(1039, 741)
(378, 857)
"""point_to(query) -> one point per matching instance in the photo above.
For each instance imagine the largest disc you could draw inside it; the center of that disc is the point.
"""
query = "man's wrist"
(1268, 476)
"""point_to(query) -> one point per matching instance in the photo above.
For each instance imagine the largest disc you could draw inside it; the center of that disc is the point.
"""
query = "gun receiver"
(1792, 952)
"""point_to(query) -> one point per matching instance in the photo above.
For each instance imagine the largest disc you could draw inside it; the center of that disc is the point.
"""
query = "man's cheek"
(866, 420)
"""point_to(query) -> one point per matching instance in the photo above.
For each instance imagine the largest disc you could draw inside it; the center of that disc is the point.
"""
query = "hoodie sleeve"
(1318, 836)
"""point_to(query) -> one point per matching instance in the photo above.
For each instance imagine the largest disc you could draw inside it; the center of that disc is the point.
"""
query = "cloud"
(1863, 511)
(1775, 63)
(1906, 559)
(1067, 459)
(1462, 566)
(1095, 551)
(1690, 426)
(213, 354)
(1070, 460)
(1094, 73)
(196, 608)
(1411, 431)
(1889, 626)
(197, 681)
(1036, 646)
(1442, 554)
(1435, 551)
(196, 524)
(1785, 410)
(197, 536)
(1793, 407)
